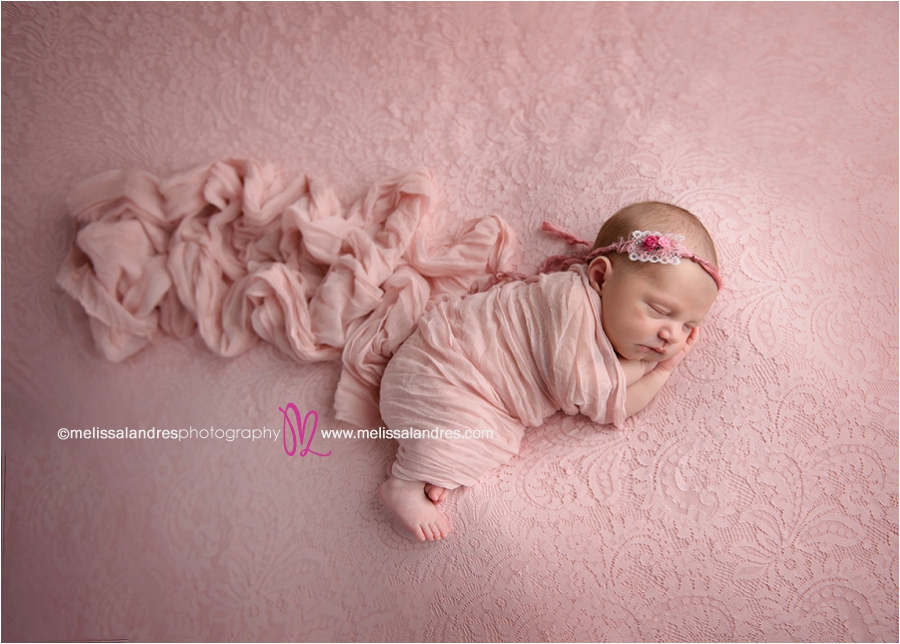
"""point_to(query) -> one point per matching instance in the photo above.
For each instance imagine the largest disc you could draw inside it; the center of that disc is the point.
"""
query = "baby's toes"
(435, 492)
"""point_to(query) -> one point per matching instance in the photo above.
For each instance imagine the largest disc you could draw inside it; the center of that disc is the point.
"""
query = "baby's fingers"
(671, 363)
(693, 338)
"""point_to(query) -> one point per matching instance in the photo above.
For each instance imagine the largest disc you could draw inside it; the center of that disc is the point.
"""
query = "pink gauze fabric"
(243, 254)
(499, 361)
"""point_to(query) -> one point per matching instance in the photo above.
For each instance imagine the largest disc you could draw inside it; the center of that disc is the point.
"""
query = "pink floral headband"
(643, 246)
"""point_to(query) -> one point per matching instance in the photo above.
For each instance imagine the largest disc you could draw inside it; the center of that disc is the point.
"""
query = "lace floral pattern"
(652, 246)
(755, 499)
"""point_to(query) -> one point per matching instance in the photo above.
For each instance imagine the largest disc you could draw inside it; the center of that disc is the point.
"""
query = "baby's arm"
(634, 370)
(641, 391)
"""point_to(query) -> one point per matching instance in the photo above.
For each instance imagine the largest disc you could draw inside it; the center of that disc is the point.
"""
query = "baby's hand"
(670, 364)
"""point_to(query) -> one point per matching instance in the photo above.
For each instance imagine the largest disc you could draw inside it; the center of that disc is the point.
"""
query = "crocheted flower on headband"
(647, 246)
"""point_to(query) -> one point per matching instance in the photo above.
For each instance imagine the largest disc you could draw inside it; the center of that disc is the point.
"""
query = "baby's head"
(657, 278)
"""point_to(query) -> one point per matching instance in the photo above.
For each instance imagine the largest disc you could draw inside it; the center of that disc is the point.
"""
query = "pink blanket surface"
(499, 361)
(756, 497)
(243, 254)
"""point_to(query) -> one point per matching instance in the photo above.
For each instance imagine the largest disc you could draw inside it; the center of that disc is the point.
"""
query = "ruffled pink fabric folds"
(493, 364)
(238, 252)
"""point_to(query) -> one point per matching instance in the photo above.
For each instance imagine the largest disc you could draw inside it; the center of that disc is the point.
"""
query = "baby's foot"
(435, 492)
(407, 501)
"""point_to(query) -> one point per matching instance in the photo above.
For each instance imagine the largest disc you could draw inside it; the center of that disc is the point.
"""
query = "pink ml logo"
(299, 434)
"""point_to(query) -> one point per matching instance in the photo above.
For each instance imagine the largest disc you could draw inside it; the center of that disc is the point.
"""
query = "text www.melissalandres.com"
(406, 433)
(308, 423)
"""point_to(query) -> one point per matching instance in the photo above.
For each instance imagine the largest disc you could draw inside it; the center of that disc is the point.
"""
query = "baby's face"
(648, 314)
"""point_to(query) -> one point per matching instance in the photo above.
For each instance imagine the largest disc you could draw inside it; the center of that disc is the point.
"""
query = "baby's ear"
(599, 271)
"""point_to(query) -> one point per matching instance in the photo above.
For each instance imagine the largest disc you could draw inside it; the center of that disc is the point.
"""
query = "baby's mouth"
(649, 349)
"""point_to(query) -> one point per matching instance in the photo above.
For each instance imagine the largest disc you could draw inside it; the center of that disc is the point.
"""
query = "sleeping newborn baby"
(600, 338)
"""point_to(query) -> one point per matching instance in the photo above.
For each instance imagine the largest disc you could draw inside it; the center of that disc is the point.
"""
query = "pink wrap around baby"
(501, 360)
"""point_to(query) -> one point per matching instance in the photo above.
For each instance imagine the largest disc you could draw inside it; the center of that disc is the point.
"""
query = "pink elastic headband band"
(643, 246)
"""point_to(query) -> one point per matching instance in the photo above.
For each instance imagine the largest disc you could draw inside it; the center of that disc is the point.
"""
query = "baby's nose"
(669, 333)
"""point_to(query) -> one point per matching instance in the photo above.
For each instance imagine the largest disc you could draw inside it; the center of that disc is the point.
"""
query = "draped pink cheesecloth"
(244, 254)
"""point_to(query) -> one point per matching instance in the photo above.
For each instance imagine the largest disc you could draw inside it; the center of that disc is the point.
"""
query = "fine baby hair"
(653, 216)
(632, 234)
(659, 216)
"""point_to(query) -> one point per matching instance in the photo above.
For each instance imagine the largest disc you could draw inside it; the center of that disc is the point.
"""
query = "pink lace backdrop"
(755, 499)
